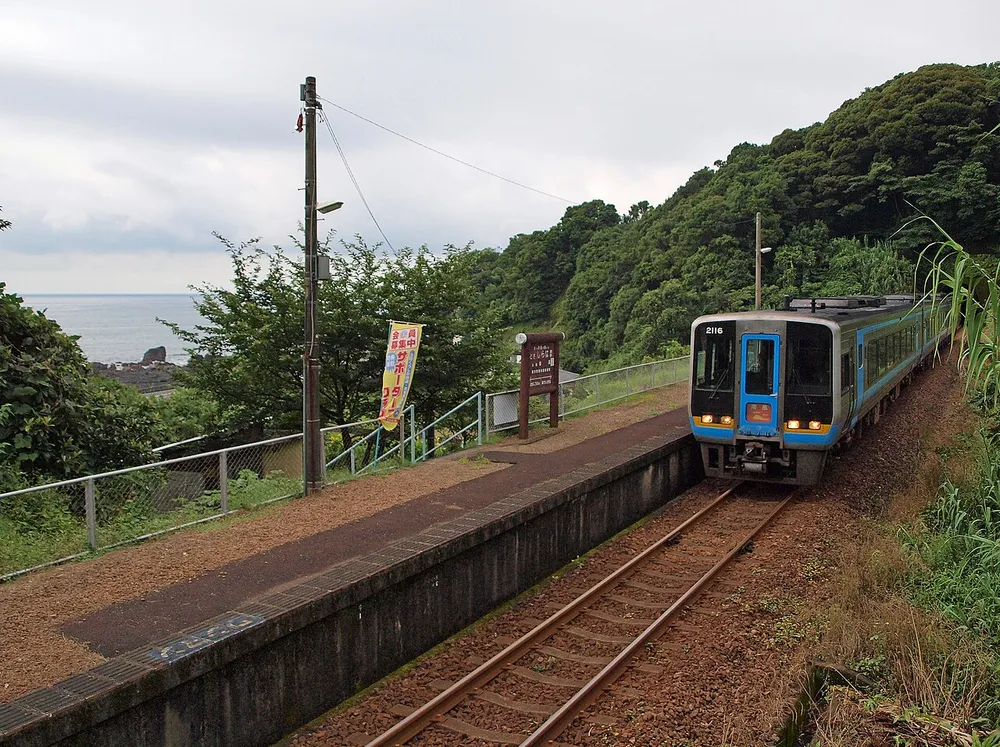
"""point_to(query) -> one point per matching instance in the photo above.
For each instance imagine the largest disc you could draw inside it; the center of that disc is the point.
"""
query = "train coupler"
(755, 457)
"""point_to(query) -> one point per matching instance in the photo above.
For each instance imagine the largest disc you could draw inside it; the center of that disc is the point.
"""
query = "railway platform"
(124, 627)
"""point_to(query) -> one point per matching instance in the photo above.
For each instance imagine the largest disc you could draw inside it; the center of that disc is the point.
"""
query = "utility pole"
(759, 256)
(313, 457)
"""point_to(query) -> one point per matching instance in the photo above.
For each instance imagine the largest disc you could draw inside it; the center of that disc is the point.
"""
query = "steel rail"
(433, 709)
(559, 721)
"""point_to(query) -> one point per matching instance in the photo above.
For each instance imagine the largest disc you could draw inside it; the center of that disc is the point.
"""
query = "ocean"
(121, 328)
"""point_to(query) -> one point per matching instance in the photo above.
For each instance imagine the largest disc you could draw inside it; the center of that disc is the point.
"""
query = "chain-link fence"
(585, 392)
(61, 521)
(57, 522)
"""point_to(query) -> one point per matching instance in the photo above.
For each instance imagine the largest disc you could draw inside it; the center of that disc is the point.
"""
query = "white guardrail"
(585, 392)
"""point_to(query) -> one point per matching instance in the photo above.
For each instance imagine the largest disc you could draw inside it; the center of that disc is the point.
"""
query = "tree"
(917, 143)
(636, 212)
(185, 414)
(859, 269)
(59, 420)
(4, 224)
(532, 273)
(248, 355)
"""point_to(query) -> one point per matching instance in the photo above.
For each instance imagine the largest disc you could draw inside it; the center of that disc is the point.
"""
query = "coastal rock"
(152, 375)
(154, 355)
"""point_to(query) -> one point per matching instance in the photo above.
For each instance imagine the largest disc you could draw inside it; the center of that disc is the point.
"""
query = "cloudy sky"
(129, 131)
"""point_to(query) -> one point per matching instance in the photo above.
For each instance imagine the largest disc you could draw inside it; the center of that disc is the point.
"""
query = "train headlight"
(726, 420)
(708, 419)
(815, 425)
(793, 425)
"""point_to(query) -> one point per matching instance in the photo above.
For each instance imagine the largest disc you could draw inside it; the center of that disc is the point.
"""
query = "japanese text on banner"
(400, 360)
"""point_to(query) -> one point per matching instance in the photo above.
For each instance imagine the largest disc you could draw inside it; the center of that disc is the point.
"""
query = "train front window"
(809, 359)
(713, 349)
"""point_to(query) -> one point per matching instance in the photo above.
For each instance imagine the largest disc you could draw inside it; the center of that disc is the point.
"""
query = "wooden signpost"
(539, 374)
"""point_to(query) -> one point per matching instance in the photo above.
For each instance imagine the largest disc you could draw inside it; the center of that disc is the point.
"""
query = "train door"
(859, 390)
(759, 385)
(848, 378)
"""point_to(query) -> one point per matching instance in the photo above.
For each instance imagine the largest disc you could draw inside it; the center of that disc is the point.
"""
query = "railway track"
(590, 642)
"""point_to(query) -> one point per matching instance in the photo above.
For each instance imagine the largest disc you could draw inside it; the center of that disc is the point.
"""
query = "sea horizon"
(120, 327)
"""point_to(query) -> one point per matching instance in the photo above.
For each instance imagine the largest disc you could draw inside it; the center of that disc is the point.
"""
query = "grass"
(919, 605)
(47, 526)
(917, 610)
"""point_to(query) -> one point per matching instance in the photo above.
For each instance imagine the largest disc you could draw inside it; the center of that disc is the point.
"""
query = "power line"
(441, 153)
(350, 173)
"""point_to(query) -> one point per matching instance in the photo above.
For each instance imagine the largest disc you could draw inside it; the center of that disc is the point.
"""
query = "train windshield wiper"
(802, 387)
(722, 380)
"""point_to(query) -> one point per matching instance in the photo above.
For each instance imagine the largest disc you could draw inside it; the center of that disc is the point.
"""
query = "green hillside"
(836, 198)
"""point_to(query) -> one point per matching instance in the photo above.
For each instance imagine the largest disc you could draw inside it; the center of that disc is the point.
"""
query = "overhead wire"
(343, 156)
(442, 153)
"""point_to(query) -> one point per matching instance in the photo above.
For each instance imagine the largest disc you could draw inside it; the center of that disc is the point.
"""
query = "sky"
(131, 131)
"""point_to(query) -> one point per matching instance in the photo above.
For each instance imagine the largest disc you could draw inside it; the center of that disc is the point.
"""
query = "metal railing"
(373, 453)
(64, 520)
(370, 445)
(585, 392)
(457, 430)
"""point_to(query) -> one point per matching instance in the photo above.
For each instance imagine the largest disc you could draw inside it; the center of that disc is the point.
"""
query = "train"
(772, 393)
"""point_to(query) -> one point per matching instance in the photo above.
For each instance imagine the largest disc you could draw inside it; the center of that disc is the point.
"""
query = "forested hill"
(832, 195)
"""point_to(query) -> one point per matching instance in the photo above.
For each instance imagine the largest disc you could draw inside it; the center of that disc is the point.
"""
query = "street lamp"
(329, 207)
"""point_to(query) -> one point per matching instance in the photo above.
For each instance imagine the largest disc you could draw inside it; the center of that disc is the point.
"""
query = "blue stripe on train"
(702, 431)
(805, 438)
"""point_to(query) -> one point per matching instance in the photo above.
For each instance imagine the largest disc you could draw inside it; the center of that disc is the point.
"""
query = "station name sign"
(539, 374)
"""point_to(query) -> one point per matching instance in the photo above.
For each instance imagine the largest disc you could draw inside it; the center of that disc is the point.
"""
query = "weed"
(791, 630)
(544, 665)
(769, 604)
(477, 461)
(813, 569)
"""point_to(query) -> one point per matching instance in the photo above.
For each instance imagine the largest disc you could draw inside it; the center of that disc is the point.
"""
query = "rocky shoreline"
(150, 375)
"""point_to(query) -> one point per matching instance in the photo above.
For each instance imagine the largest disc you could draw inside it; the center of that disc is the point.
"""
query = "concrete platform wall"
(251, 676)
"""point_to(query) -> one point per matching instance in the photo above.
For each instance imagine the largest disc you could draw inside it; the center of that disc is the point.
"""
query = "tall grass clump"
(960, 577)
(958, 540)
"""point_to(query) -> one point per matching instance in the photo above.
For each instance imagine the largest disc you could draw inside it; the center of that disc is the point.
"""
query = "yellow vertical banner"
(400, 360)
